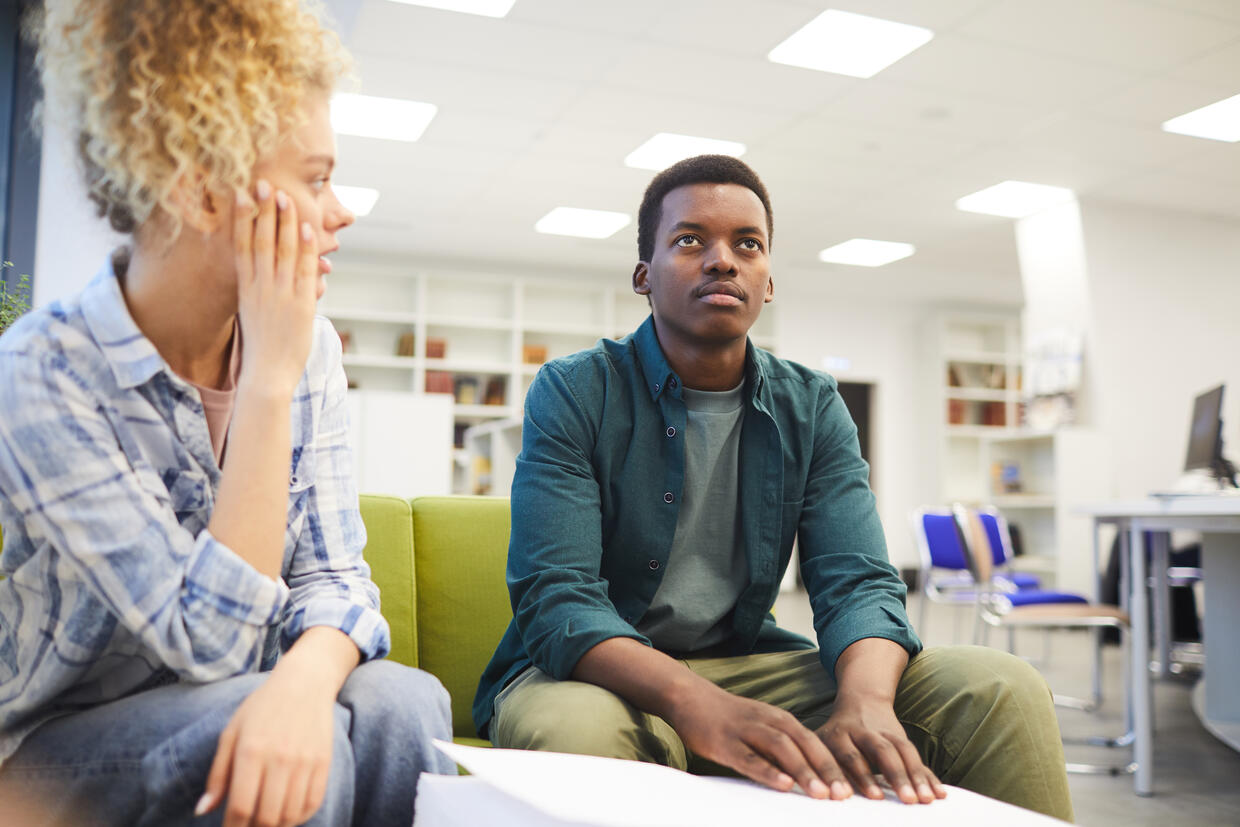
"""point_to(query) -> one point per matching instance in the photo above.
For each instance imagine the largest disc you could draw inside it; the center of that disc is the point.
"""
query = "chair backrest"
(462, 594)
(389, 552)
(977, 544)
(997, 535)
(938, 540)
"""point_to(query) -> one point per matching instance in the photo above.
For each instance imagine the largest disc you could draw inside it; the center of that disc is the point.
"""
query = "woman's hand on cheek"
(277, 269)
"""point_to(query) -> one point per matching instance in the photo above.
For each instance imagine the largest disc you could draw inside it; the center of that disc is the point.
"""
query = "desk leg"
(1139, 663)
(1160, 559)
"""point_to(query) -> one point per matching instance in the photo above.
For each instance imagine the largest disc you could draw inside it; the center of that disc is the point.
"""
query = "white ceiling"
(538, 109)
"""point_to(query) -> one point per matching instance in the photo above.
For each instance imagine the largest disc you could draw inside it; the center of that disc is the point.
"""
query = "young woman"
(187, 625)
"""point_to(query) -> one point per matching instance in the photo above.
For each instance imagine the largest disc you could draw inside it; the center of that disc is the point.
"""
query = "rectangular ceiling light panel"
(666, 148)
(370, 117)
(849, 44)
(866, 252)
(486, 8)
(1015, 199)
(357, 200)
(582, 223)
(1219, 121)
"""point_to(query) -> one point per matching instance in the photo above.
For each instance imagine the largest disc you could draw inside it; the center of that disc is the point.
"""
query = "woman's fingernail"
(307, 233)
(203, 804)
(281, 200)
(263, 190)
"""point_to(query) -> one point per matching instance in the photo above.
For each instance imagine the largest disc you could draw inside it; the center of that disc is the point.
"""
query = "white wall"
(1165, 294)
(886, 344)
(73, 243)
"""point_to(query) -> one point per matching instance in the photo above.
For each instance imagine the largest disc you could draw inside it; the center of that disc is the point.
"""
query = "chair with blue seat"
(1000, 537)
(946, 575)
(1030, 608)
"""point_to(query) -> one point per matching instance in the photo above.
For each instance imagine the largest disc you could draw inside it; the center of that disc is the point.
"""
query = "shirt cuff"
(219, 578)
(365, 627)
(875, 621)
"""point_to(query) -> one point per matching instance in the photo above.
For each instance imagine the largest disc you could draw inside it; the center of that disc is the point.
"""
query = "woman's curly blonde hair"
(161, 93)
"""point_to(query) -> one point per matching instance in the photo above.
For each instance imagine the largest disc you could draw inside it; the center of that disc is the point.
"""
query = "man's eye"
(751, 244)
(686, 241)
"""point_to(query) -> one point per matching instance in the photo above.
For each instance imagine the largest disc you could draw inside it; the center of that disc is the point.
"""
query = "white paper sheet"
(605, 792)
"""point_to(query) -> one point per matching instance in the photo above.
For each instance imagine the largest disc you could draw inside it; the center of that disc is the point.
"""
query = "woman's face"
(302, 166)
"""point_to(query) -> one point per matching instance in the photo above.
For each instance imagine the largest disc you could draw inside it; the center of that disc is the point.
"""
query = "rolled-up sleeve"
(560, 602)
(192, 602)
(854, 590)
(329, 580)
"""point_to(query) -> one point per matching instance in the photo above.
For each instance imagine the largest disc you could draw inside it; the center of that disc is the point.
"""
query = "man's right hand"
(759, 741)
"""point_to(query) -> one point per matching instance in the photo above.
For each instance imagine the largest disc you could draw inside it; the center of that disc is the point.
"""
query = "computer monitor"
(1205, 438)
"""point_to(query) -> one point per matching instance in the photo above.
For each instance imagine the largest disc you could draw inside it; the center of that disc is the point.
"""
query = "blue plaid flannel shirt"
(107, 483)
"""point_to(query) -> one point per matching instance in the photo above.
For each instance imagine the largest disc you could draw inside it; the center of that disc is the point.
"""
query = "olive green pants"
(980, 718)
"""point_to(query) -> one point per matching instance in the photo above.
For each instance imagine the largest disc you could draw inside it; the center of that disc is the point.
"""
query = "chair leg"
(1096, 636)
(925, 601)
(1011, 640)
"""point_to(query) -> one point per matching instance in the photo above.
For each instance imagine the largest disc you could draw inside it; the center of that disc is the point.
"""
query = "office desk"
(1216, 699)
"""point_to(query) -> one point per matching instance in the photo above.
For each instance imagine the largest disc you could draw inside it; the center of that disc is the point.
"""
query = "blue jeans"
(143, 760)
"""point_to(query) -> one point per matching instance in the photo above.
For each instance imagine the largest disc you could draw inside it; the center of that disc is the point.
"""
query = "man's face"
(709, 274)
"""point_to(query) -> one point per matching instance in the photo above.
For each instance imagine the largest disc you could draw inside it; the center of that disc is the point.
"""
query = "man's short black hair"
(700, 169)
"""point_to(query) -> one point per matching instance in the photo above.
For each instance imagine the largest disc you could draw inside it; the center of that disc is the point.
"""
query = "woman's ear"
(198, 205)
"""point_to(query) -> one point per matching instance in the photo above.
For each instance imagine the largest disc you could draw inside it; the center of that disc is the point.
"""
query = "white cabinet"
(402, 442)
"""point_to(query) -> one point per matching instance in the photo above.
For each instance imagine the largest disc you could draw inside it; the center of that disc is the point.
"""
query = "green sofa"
(439, 563)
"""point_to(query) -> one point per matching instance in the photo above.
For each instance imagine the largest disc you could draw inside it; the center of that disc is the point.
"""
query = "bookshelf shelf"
(469, 335)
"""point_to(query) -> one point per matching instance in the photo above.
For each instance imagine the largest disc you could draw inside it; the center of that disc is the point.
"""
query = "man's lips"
(722, 294)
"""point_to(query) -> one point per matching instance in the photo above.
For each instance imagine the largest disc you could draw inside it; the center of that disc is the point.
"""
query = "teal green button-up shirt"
(596, 495)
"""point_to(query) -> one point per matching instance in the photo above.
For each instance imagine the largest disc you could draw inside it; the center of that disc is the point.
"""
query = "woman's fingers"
(264, 233)
(287, 238)
(243, 237)
(307, 260)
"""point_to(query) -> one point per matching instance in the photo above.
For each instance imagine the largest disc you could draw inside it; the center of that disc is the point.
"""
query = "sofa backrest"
(389, 551)
(461, 547)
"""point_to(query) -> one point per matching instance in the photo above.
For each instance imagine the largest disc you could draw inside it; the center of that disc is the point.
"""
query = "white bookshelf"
(485, 322)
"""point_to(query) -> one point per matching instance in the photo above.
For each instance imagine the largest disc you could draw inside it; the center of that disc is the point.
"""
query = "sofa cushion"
(389, 551)
(462, 595)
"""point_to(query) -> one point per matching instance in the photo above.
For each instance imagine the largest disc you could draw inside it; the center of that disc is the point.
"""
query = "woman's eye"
(318, 183)
(686, 241)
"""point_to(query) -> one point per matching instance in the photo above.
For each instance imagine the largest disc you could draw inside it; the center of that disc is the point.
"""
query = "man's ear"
(770, 290)
(641, 279)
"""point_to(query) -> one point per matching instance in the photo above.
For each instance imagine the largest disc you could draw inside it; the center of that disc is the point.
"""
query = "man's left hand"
(863, 734)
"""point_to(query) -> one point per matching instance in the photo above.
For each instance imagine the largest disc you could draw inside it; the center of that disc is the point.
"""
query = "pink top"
(217, 403)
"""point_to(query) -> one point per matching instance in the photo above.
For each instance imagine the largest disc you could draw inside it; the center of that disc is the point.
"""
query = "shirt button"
(668, 498)
(292, 480)
(671, 432)
(656, 387)
(654, 565)
(671, 383)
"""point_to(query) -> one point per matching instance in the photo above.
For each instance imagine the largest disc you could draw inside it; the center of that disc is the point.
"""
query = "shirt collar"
(659, 374)
(130, 355)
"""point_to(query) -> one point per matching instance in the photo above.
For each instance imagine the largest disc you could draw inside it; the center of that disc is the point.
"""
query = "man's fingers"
(758, 767)
(286, 238)
(855, 764)
(264, 233)
(887, 758)
(825, 778)
(928, 787)
(218, 775)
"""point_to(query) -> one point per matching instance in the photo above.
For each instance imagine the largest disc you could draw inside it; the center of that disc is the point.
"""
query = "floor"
(1196, 777)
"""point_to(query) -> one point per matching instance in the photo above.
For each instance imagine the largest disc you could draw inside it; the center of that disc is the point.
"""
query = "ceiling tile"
(1122, 33)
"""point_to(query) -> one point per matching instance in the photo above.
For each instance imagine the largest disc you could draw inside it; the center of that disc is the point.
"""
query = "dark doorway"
(858, 396)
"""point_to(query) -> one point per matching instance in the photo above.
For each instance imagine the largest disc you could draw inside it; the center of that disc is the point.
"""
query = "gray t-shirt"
(706, 570)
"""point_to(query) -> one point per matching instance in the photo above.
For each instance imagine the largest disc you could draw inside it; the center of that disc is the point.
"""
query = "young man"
(662, 481)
